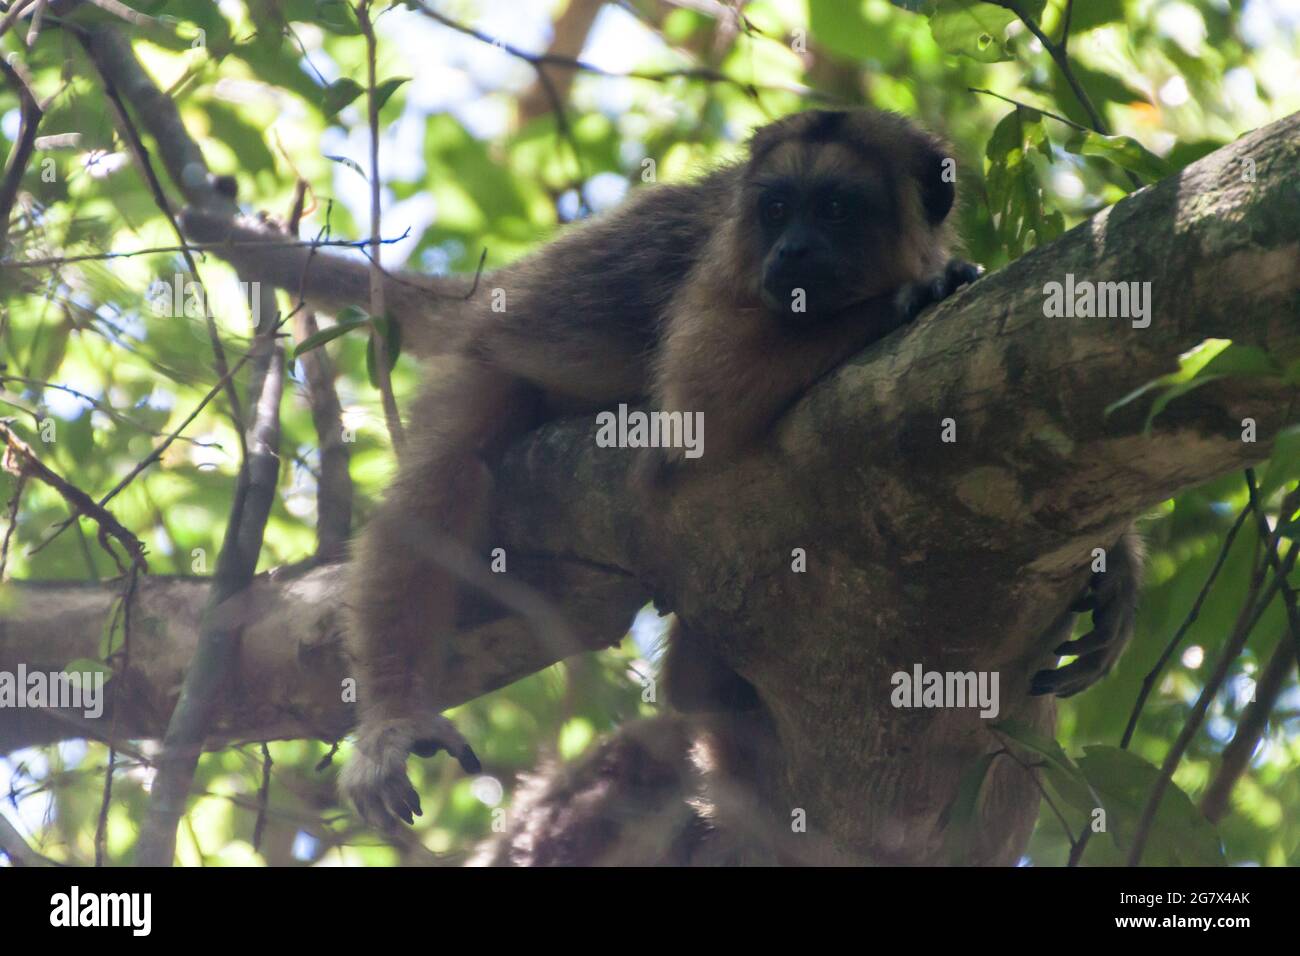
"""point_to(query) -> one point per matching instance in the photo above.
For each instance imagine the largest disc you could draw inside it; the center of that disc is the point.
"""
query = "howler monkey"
(727, 296)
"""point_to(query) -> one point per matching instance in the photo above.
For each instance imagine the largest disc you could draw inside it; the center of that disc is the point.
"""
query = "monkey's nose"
(791, 251)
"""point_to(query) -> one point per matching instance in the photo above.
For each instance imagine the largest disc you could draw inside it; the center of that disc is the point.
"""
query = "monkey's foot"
(918, 296)
(1097, 651)
(375, 780)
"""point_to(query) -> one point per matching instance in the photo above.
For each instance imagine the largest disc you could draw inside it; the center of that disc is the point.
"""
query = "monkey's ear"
(935, 175)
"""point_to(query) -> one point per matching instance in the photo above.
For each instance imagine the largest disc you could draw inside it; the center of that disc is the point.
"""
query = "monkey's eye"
(774, 211)
(835, 211)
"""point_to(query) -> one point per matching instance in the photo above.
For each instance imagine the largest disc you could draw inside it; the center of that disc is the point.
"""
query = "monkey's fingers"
(465, 756)
(434, 733)
(1090, 642)
(1097, 651)
(375, 779)
(1073, 678)
(918, 296)
(1085, 602)
(376, 784)
(959, 272)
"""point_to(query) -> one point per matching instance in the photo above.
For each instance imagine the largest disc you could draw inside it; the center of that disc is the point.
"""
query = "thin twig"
(1250, 728)
(1269, 538)
(573, 63)
(13, 13)
(29, 119)
(104, 407)
(20, 460)
(217, 654)
(15, 848)
(334, 483)
(1029, 106)
(263, 798)
(1149, 682)
(1057, 51)
(157, 453)
(378, 329)
(120, 661)
(193, 247)
(11, 523)
(1250, 616)
(93, 45)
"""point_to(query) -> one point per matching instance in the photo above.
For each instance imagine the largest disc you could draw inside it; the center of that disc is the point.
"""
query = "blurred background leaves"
(470, 164)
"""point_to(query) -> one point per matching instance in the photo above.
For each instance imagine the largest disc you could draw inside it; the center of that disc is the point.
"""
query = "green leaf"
(1014, 195)
(972, 28)
(355, 319)
(1059, 770)
(1089, 14)
(1213, 359)
(1123, 151)
(337, 17)
(392, 333)
(841, 27)
(387, 88)
(1180, 835)
(339, 94)
(110, 637)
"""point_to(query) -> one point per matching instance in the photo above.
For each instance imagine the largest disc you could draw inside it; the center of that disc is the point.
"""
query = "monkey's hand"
(1112, 597)
(375, 780)
(918, 296)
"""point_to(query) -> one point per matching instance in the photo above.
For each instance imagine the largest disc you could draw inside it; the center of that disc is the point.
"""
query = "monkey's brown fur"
(678, 297)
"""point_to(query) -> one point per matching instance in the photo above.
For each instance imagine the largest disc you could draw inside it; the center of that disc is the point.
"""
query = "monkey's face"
(824, 240)
(838, 208)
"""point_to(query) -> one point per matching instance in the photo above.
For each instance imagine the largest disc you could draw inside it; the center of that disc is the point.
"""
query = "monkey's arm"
(424, 306)
(742, 375)
(1112, 597)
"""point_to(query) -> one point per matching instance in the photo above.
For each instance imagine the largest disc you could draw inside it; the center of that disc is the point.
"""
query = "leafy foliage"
(275, 92)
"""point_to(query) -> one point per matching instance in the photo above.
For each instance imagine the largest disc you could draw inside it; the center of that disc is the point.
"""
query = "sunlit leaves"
(339, 94)
(1211, 360)
(349, 319)
(972, 28)
(1124, 151)
(1014, 193)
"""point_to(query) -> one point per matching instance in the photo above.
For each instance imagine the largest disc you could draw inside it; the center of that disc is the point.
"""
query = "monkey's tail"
(427, 308)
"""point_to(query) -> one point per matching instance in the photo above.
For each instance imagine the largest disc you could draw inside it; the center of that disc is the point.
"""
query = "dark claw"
(959, 272)
(1090, 642)
(427, 747)
(1073, 678)
(469, 761)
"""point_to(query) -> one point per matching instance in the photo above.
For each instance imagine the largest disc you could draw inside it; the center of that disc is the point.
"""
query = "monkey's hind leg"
(403, 594)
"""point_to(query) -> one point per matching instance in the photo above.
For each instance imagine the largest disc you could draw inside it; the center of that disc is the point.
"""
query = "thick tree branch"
(956, 556)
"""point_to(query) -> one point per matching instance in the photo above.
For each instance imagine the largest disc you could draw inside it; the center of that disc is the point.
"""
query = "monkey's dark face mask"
(824, 243)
